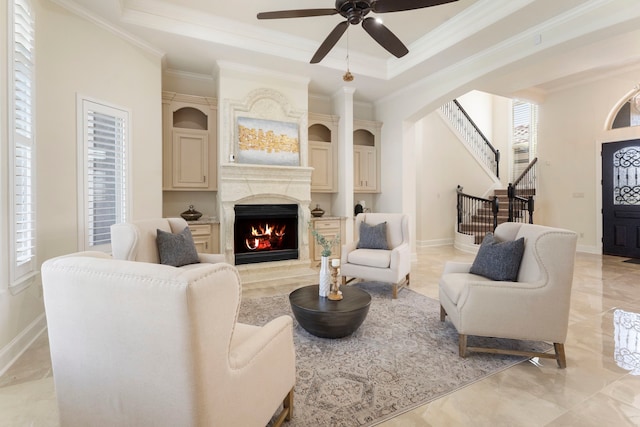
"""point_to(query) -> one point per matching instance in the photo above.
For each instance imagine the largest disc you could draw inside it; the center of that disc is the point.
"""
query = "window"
(629, 113)
(22, 158)
(103, 186)
(524, 137)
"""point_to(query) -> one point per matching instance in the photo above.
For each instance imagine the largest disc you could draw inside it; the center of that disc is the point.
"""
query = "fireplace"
(265, 232)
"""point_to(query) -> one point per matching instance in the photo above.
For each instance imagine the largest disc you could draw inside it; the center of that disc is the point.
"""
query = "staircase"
(480, 219)
(477, 216)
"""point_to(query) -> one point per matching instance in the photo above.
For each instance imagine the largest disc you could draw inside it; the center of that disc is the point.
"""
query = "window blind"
(23, 68)
(521, 122)
(524, 137)
(105, 171)
(23, 202)
(24, 206)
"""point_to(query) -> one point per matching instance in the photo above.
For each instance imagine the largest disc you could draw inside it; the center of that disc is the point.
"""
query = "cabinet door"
(202, 245)
(190, 158)
(369, 165)
(321, 160)
(365, 169)
(202, 237)
(329, 228)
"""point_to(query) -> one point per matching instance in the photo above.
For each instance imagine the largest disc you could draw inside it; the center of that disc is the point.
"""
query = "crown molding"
(465, 24)
(188, 75)
(261, 72)
(76, 9)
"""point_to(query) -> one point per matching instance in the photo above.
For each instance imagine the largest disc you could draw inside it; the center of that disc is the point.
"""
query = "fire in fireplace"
(264, 233)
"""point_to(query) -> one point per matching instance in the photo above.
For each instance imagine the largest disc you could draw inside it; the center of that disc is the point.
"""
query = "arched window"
(628, 113)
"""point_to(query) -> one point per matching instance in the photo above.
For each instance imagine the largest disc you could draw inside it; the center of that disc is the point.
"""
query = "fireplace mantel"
(260, 184)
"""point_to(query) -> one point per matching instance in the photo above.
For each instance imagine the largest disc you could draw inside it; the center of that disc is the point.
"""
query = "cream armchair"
(136, 240)
(392, 265)
(535, 307)
(140, 344)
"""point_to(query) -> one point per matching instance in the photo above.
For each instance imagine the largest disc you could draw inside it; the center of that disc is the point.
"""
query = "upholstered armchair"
(141, 344)
(383, 255)
(136, 240)
(534, 307)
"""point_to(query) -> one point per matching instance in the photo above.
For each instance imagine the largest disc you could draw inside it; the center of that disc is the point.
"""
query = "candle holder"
(334, 293)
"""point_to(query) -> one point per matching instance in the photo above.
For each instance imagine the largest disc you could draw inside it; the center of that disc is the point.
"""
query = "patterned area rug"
(401, 357)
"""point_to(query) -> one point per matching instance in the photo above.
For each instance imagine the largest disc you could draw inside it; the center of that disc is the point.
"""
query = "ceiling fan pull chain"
(348, 77)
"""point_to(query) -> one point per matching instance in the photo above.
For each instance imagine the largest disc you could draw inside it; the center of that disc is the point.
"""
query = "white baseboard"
(434, 243)
(589, 249)
(12, 351)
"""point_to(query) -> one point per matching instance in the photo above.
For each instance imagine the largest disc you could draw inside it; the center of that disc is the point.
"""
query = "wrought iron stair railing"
(477, 216)
(472, 135)
(521, 192)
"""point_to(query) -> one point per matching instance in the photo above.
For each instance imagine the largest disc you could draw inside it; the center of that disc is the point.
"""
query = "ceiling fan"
(355, 13)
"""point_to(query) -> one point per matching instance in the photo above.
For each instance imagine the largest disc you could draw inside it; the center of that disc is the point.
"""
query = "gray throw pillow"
(176, 249)
(498, 260)
(373, 236)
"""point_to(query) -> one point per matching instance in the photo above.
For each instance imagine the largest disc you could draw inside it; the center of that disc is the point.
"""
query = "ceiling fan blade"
(383, 6)
(384, 37)
(301, 13)
(330, 42)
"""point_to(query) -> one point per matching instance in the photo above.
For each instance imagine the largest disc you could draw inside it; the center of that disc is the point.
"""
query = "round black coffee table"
(330, 319)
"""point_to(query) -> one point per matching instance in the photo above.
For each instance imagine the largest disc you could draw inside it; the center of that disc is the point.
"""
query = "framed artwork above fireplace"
(267, 142)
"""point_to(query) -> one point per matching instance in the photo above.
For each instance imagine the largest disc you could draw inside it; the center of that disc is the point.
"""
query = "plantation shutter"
(24, 216)
(523, 136)
(105, 171)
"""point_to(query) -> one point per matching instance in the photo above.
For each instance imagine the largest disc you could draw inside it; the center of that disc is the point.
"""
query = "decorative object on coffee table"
(334, 293)
(191, 214)
(325, 277)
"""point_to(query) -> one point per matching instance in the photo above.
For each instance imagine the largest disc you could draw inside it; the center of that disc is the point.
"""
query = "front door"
(621, 198)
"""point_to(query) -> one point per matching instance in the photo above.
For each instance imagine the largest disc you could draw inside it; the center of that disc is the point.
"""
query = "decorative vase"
(317, 212)
(191, 214)
(325, 277)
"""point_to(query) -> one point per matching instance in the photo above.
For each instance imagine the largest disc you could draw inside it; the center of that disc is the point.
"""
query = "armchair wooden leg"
(408, 278)
(400, 285)
(560, 356)
(344, 280)
(287, 410)
(462, 345)
(443, 314)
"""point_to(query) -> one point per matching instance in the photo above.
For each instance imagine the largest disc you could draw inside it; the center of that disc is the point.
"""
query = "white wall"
(442, 163)
(74, 56)
(492, 115)
(88, 60)
(571, 128)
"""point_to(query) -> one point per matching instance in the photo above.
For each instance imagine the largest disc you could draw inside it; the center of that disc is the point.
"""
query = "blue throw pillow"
(498, 260)
(373, 236)
(177, 249)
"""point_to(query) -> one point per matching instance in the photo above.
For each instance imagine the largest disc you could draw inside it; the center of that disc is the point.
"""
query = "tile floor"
(592, 391)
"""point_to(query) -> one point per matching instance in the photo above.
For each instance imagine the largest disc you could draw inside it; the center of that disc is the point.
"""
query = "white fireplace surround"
(262, 184)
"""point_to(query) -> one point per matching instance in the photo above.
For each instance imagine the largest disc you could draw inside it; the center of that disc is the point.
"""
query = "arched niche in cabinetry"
(323, 152)
(189, 142)
(190, 118)
(366, 156)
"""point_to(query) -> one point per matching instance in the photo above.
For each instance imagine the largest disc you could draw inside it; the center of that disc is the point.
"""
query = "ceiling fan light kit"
(355, 12)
